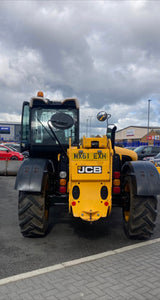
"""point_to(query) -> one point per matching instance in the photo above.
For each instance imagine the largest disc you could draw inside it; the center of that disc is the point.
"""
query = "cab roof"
(41, 101)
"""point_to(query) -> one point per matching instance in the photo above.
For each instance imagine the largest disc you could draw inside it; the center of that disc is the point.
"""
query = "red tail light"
(62, 189)
(116, 190)
(116, 182)
(116, 175)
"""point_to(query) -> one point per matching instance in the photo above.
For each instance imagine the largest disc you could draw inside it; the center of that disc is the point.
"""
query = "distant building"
(10, 131)
(138, 135)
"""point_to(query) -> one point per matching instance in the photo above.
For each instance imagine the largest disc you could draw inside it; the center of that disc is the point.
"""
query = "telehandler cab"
(90, 178)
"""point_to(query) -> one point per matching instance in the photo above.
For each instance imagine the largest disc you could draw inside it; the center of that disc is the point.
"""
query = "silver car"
(156, 160)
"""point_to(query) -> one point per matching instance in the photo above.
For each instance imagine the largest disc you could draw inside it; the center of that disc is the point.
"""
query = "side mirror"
(62, 121)
(102, 116)
(111, 129)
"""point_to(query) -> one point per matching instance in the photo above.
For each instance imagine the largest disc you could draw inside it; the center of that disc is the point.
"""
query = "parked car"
(150, 158)
(155, 160)
(16, 147)
(131, 148)
(12, 145)
(147, 151)
(8, 154)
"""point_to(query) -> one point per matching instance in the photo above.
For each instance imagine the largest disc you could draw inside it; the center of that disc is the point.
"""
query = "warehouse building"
(138, 135)
(10, 132)
(129, 136)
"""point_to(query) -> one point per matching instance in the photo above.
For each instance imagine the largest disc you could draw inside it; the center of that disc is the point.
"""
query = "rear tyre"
(139, 213)
(33, 214)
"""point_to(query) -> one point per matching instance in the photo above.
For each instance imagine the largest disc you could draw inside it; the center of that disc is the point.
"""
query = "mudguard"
(145, 177)
(31, 173)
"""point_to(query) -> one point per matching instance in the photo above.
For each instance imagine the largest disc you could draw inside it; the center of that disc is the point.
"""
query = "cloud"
(10, 118)
(105, 53)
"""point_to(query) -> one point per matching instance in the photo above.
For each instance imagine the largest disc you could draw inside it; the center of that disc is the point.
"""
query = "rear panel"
(90, 183)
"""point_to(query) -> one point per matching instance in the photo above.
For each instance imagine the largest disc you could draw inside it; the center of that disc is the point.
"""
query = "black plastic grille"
(76, 192)
(104, 192)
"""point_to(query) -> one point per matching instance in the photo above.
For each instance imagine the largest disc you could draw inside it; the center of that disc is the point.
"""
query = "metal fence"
(136, 144)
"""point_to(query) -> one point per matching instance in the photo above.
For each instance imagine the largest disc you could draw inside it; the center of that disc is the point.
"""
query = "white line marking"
(74, 262)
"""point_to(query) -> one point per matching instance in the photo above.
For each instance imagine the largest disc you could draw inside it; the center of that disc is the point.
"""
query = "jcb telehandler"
(90, 178)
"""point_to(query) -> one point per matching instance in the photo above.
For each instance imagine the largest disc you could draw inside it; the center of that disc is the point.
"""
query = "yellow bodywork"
(123, 151)
(90, 169)
(158, 168)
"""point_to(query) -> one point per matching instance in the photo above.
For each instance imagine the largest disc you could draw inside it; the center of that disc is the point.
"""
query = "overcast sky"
(105, 53)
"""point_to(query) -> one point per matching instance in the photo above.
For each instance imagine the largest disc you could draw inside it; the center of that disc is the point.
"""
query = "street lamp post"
(90, 131)
(148, 117)
(86, 127)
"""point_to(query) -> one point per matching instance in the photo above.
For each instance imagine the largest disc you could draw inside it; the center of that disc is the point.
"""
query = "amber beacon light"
(40, 94)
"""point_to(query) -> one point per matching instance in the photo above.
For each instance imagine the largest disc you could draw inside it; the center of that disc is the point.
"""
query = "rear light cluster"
(75, 194)
(116, 182)
(104, 194)
(63, 182)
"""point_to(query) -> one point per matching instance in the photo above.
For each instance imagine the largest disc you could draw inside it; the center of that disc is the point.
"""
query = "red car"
(8, 154)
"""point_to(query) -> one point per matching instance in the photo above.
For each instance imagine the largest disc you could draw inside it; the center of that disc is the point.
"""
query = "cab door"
(25, 127)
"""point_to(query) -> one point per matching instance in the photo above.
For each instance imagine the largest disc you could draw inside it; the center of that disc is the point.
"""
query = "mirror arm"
(45, 128)
(113, 136)
(51, 128)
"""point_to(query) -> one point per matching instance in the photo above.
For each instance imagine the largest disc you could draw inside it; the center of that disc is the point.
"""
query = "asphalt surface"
(68, 238)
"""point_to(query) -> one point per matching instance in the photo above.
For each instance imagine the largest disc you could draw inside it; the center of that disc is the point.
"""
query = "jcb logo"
(90, 170)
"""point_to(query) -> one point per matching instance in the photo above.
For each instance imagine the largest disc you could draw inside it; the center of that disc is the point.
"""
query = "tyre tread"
(31, 211)
(143, 212)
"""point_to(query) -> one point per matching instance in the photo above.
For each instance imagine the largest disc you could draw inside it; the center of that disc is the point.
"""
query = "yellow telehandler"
(91, 178)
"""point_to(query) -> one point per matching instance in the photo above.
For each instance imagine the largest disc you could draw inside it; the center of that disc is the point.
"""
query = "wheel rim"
(46, 189)
(46, 214)
(127, 212)
(126, 215)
